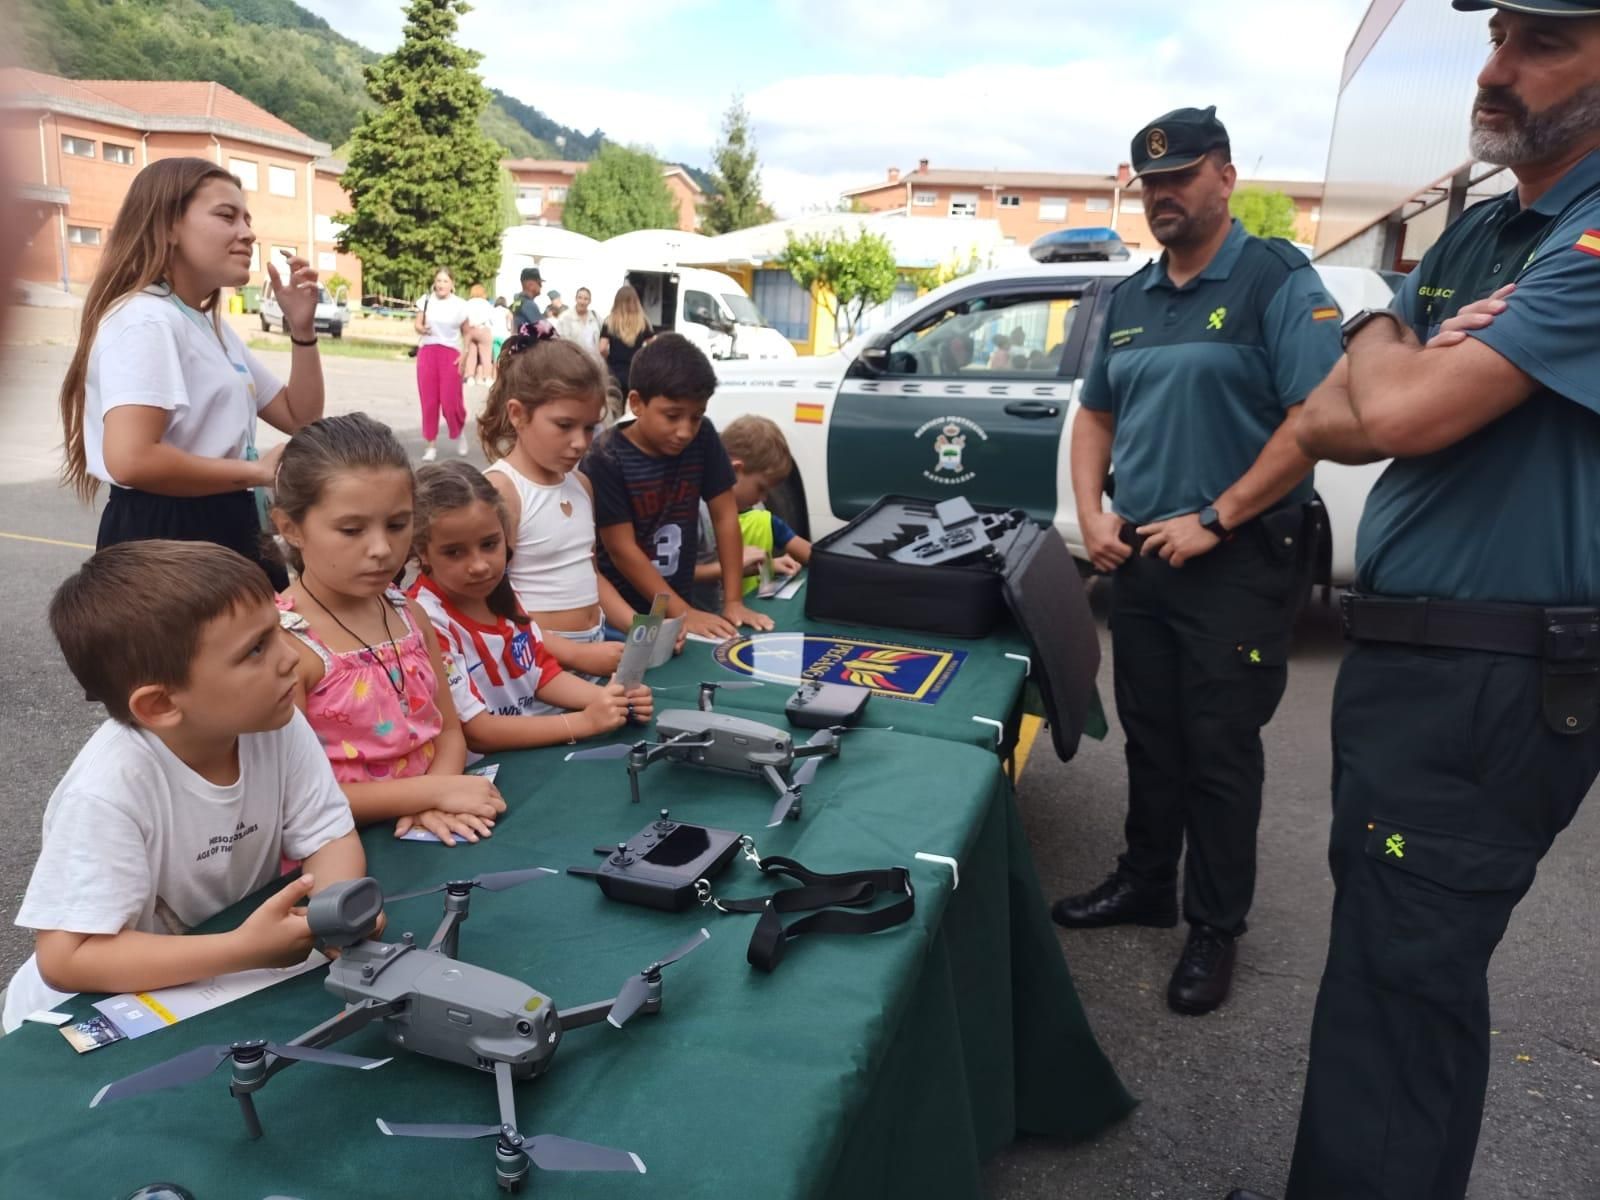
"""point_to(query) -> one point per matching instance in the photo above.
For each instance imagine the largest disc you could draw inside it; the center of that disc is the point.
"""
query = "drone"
(430, 1002)
(712, 741)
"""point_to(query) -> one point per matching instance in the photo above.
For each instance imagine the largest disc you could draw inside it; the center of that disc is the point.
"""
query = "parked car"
(332, 315)
(972, 391)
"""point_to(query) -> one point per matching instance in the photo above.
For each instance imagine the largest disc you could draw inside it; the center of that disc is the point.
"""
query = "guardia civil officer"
(1464, 717)
(1208, 354)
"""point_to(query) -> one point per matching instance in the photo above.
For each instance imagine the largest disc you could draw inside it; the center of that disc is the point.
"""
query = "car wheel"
(266, 325)
(336, 331)
(788, 501)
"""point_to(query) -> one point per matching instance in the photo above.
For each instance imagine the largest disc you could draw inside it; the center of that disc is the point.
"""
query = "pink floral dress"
(373, 710)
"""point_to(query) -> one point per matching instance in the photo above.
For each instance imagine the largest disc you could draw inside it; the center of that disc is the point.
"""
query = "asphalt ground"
(1220, 1094)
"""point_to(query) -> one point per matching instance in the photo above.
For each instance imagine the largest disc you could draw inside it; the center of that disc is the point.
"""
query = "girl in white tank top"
(546, 403)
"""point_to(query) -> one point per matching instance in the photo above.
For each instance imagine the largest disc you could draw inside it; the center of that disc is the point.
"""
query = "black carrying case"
(1032, 579)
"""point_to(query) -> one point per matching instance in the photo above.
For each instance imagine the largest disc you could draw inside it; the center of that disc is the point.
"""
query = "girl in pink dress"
(372, 685)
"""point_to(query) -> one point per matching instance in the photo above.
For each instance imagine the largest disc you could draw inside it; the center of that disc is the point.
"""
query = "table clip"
(955, 871)
(1026, 662)
(999, 727)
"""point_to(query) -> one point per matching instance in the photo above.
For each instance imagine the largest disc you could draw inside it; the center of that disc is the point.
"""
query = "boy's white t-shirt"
(444, 319)
(134, 839)
(149, 350)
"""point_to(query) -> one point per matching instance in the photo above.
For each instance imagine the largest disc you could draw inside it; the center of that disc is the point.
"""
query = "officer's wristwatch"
(1364, 318)
(1212, 523)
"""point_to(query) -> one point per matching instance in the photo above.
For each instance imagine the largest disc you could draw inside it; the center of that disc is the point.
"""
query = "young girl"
(509, 692)
(536, 426)
(477, 362)
(161, 398)
(371, 684)
(440, 316)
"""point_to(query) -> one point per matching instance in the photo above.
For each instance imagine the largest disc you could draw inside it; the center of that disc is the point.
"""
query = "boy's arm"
(730, 554)
(275, 935)
(338, 860)
(638, 568)
(591, 658)
(798, 549)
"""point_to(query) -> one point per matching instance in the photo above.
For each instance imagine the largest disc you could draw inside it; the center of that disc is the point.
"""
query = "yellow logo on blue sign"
(892, 670)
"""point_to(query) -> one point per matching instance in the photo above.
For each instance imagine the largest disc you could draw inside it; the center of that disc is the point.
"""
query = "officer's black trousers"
(1199, 659)
(1448, 788)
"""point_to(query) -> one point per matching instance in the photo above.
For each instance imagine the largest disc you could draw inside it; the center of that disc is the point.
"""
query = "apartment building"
(1029, 204)
(542, 190)
(77, 144)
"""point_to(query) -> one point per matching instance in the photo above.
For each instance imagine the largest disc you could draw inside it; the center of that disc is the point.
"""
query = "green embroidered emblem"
(1216, 319)
(1395, 845)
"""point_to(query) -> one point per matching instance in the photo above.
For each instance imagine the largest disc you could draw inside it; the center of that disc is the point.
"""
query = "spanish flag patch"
(808, 414)
(1325, 314)
(1589, 243)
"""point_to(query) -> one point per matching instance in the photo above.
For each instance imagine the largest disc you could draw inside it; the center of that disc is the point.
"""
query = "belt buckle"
(1347, 604)
(1571, 635)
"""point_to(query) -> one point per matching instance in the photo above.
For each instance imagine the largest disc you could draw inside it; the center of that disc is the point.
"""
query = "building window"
(924, 199)
(245, 171)
(1053, 208)
(1010, 200)
(83, 235)
(77, 147)
(785, 304)
(327, 260)
(964, 204)
(1133, 204)
(558, 195)
(281, 256)
(1316, 212)
(119, 154)
(280, 181)
(1097, 204)
(326, 228)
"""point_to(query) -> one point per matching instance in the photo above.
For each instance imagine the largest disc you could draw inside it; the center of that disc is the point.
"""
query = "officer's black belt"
(851, 889)
(1566, 641)
(1560, 634)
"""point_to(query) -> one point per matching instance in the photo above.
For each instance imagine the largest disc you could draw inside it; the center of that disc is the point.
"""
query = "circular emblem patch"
(1155, 143)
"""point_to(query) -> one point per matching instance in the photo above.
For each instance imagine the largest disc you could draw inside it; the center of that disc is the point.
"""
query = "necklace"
(396, 676)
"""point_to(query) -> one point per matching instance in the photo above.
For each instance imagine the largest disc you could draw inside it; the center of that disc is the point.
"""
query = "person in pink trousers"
(440, 317)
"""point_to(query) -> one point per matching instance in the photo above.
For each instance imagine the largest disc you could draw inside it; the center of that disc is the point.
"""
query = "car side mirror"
(874, 358)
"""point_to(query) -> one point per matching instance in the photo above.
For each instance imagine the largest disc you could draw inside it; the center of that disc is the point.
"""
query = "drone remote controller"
(659, 866)
(824, 705)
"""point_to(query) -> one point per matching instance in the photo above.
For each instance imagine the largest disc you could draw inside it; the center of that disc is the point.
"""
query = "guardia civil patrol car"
(971, 391)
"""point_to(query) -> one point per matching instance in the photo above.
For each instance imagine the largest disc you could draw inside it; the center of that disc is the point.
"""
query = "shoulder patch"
(1589, 243)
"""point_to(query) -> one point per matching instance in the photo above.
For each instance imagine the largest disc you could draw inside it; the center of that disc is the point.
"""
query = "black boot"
(1119, 901)
(1204, 973)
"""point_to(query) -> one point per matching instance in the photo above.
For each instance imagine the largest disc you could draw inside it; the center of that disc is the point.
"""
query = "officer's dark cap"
(531, 273)
(1178, 140)
(1541, 8)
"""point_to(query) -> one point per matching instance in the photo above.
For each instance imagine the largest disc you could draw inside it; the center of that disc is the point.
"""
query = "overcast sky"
(840, 90)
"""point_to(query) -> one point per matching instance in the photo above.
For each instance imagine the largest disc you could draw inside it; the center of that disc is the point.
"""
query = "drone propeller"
(732, 684)
(605, 753)
(202, 1060)
(547, 1151)
(635, 989)
(493, 881)
(785, 805)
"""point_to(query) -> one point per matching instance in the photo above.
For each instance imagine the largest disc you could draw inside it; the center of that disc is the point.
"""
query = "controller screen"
(683, 845)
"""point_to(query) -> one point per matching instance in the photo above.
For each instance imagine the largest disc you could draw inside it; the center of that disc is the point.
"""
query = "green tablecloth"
(988, 685)
(864, 1066)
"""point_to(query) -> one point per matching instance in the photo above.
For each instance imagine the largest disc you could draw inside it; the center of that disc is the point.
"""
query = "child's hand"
(737, 614)
(754, 556)
(601, 658)
(683, 638)
(469, 794)
(446, 826)
(276, 934)
(607, 711)
(643, 704)
(784, 565)
(704, 624)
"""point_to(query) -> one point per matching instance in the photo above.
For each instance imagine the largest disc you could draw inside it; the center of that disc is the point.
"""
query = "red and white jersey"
(495, 668)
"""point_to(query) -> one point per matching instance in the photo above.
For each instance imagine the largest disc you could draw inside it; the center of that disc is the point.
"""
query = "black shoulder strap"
(1286, 251)
(1571, 207)
(850, 889)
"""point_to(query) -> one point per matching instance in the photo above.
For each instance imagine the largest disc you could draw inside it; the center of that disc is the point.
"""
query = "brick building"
(542, 185)
(1029, 204)
(77, 144)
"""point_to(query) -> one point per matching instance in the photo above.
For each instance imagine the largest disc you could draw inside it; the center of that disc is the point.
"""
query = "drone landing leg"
(510, 1162)
(247, 1108)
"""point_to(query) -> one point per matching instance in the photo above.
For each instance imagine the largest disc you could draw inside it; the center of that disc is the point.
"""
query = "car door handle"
(1033, 410)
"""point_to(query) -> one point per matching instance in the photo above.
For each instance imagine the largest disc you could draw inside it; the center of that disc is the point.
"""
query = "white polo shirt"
(151, 350)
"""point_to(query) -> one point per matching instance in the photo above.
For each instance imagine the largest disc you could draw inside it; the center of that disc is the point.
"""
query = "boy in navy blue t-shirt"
(649, 476)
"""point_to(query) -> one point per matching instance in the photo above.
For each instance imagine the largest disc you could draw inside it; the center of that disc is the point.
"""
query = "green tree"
(736, 201)
(846, 275)
(1264, 213)
(621, 190)
(424, 182)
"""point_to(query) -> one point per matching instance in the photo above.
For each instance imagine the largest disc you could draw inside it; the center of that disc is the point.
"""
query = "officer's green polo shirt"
(1198, 377)
(1511, 513)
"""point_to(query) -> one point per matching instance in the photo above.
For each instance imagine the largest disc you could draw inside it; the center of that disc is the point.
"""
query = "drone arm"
(589, 1014)
(809, 750)
(445, 937)
(779, 784)
(341, 1025)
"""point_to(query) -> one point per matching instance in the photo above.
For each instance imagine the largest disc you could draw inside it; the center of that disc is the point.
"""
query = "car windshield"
(744, 309)
(323, 297)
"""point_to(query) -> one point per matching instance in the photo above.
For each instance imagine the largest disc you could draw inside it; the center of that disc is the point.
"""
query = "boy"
(189, 796)
(649, 477)
(761, 462)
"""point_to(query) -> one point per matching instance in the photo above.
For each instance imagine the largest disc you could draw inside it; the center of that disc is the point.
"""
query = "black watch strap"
(1212, 523)
(1364, 318)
